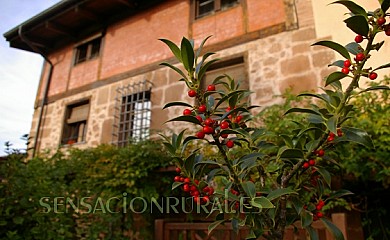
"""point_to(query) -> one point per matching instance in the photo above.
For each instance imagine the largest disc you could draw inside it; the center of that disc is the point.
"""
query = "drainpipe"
(46, 89)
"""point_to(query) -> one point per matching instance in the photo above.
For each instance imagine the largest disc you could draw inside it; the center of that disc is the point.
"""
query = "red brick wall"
(133, 43)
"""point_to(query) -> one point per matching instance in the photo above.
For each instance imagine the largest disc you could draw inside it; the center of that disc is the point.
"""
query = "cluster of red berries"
(317, 213)
(309, 163)
(358, 58)
(332, 136)
(381, 23)
(201, 196)
(209, 125)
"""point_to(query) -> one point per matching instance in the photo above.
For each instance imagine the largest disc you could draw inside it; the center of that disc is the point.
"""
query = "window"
(206, 7)
(75, 125)
(133, 113)
(234, 67)
(87, 51)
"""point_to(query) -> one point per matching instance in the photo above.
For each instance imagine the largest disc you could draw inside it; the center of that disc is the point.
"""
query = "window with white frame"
(207, 7)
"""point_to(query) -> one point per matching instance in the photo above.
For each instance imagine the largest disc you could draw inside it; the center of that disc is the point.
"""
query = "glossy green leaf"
(338, 63)
(337, 234)
(335, 46)
(187, 54)
(175, 69)
(190, 119)
(210, 102)
(313, 144)
(261, 202)
(340, 193)
(356, 135)
(354, 48)
(331, 124)
(199, 51)
(358, 24)
(326, 175)
(204, 68)
(176, 184)
(333, 77)
(175, 49)
(291, 153)
(249, 188)
(380, 87)
(312, 233)
(301, 110)
(383, 66)
(213, 225)
(353, 7)
(171, 104)
(306, 218)
(385, 5)
(297, 204)
(280, 192)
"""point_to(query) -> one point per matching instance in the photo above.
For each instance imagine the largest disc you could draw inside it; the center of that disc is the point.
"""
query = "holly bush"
(272, 181)
(31, 189)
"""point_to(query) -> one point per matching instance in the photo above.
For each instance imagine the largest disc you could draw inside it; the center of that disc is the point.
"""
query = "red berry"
(177, 179)
(319, 214)
(331, 134)
(373, 75)
(347, 63)
(206, 189)
(208, 130)
(321, 152)
(225, 135)
(330, 139)
(359, 38)
(186, 187)
(229, 144)
(228, 109)
(305, 165)
(202, 108)
(205, 199)
(318, 207)
(345, 70)
(387, 31)
(187, 180)
(196, 181)
(191, 93)
(209, 122)
(211, 87)
(321, 203)
(197, 199)
(360, 57)
(200, 119)
(193, 188)
(181, 179)
(187, 112)
(339, 132)
(224, 125)
(200, 135)
(196, 193)
(211, 191)
(178, 170)
(238, 118)
(312, 162)
(381, 21)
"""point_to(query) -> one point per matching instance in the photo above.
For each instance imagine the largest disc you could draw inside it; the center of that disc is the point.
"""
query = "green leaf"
(190, 119)
(339, 193)
(306, 218)
(310, 146)
(358, 24)
(261, 202)
(301, 110)
(333, 77)
(353, 7)
(210, 102)
(337, 234)
(199, 51)
(187, 54)
(319, 96)
(353, 48)
(249, 188)
(312, 233)
(171, 104)
(213, 225)
(175, 49)
(291, 153)
(326, 175)
(204, 68)
(176, 184)
(297, 204)
(253, 156)
(380, 87)
(385, 5)
(175, 69)
(280, 192)
(332, 124)
(383, 66)
(356, 135)
(335, 46)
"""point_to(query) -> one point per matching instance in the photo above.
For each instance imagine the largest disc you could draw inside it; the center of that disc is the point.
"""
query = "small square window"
(88, 51)
(75, 124)
(207, 7)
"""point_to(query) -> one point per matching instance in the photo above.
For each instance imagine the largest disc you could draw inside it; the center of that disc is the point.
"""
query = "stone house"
(101, 81)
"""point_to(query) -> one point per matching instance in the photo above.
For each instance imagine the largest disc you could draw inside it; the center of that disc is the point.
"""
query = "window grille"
(132, 113)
